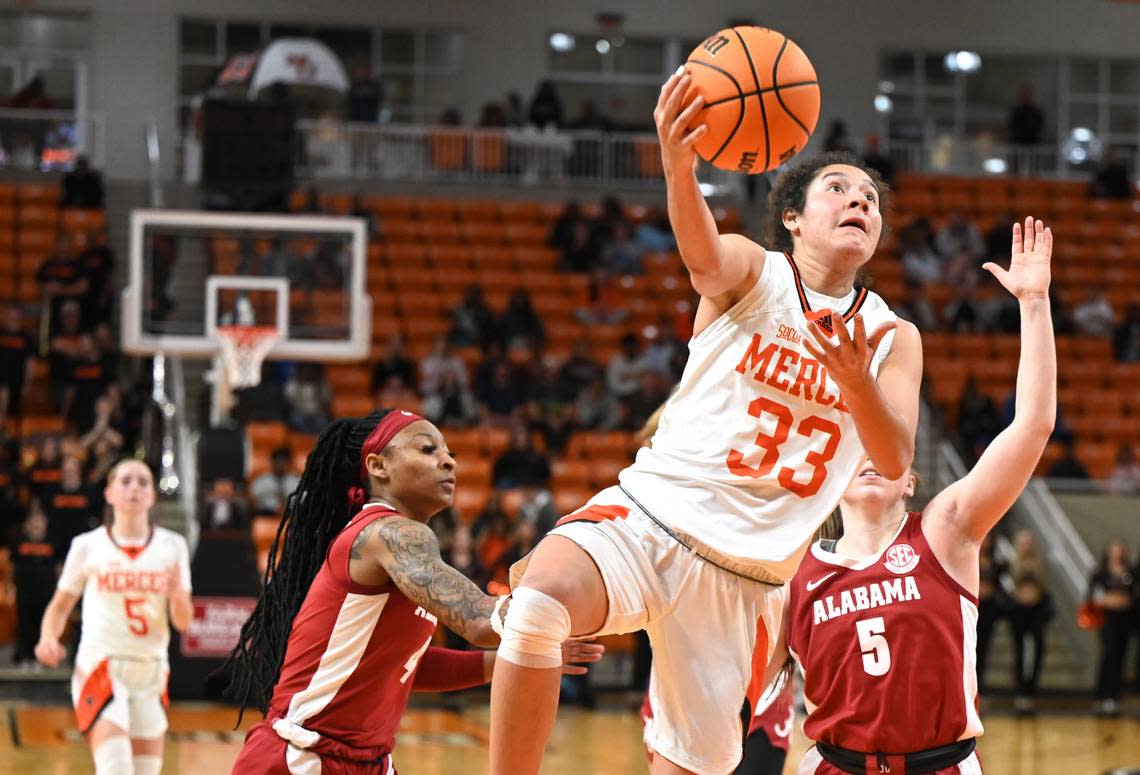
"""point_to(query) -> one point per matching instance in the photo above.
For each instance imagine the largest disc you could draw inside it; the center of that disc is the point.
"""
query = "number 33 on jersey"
(757, 445)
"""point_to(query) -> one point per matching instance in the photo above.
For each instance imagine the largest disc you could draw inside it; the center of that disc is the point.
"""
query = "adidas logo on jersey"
(880, 593)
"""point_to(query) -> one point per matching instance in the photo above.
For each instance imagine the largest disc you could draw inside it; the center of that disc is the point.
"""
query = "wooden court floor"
(42, 740)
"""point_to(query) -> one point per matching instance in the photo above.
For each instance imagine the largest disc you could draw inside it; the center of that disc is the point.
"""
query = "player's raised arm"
(408, 551)
(716, 264)
(970, 507)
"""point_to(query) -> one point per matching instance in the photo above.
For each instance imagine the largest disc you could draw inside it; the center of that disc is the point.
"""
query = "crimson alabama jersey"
(775, 715)
(352, 653)
(886, 646)
(124, 592)
(756, 446)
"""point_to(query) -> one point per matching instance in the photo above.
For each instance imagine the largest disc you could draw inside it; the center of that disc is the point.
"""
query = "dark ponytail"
(314, 514)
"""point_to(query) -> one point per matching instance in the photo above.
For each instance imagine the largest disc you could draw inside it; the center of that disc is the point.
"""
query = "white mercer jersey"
(756, 446)
(125, 607)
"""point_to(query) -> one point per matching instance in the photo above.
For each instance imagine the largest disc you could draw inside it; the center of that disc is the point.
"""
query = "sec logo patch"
(901, 558)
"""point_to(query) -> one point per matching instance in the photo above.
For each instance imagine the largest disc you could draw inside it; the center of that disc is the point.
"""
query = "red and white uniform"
(350, 664)
(121, 666)
(887, 649)
(775, 716)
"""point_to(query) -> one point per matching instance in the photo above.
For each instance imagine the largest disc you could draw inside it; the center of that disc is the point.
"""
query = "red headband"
(385, 430)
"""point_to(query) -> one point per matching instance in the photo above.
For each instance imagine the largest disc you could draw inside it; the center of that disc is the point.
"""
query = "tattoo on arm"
(356, 552)
(415, 566)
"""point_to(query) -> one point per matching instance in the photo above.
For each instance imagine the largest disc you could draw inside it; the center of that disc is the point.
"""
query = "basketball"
(761, 98)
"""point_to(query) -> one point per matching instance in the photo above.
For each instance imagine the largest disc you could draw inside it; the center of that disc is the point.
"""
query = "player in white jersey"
(134, 578)
(783, 391)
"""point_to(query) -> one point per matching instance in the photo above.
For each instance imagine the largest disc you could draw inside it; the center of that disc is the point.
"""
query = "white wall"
(134, 51)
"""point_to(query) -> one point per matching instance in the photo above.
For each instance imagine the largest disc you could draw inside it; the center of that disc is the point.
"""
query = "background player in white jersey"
(783, 391)
(874, 660)
(133, 578)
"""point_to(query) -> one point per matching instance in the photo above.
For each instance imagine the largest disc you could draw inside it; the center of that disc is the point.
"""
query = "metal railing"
(526, 156)
(976, 158)
(46, 140)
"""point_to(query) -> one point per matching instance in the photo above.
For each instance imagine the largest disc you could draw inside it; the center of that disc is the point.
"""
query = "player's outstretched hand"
(673, 117)
(847, 359)
(579, 652)
(50, 652)
(1028, 275)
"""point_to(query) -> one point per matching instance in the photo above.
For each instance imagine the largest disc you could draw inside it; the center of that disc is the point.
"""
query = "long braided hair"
(314, 514)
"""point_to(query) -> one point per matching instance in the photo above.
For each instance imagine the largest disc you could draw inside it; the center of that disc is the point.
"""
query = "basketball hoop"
(243, 349)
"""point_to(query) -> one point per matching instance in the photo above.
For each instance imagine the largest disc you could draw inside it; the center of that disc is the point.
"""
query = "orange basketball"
(761, 98)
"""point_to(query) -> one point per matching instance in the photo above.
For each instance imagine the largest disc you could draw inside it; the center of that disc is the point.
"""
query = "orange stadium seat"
(448, 149)
(473, 473)
(520, 212)
(568, 500)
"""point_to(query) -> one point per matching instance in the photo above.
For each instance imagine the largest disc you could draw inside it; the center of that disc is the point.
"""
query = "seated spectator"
(583, 252)
(978, 421)
(1094, 316)
(596, 409)
(640, 405)
(44, 474)
(395, 392)
(61, 279)
(520, 325)
(309, 398)
(69, 506)
(514, 112)
(370, 218)
(604, 301)
(15, 349)
(82, 187)
(961, 246)
(223, 508)
(999, 239)
(452, 404)
(837, 139)
(63, 352)
(661, 349)
(962, 314)
(1112, 180)
(1068, 466)
(624, 369)
(394, 362)
(34, 560)
(472, 322)
(440, 364)
(1062, 321)
(1125, 476)
(492, 116)
(921, 264)
(498, 390)
(88, 381)
(874, 158)
(271, 489)
(521, 465)
(916, 308)
(579, 370)
(105, 452)
(655, 234)
(491, 534)
(108, 347)
(562, 232)
(549, 407)
(1126, 338)
(545, 108)
(621, 254)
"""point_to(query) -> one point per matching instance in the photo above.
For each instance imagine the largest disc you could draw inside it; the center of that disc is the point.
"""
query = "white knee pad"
(148, 765)
(534, 630)
(113, 757)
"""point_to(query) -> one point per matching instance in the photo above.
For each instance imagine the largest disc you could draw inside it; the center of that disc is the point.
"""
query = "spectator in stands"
(603, 304)
(1094, 316)
(270, 490)
(1062, 321)
(1068, 466)
(580, 369)
(962, 314)
(550, 408)
(82, 187)
(1125, 476)
(596, 408)
(44, 474)
(69, 506)
(309, 398)
(655, 234)
(1112, 180)
(12, 510)
(473, 323)
(997, 239)
(640, 405)
(492, 116)
(662, 346)
(15, 349)
(583, 253)
(961, 246)
(837, 139)
(104, 454)
(1112, 588)
(108, 347)
(915, 307)
(104, 428)
(978, 421)
(491, 535)
(88, 381)
(365, 94)
(1032, 611)
(63, 351)
(311, 201)
(223, 508)
(521, 465)
(61, 279)
(1026, 120)
(371, 220)
(396, 392)
(514, 111)
(394, 362)
(545, 107)
(562, 232)
(621, 255)
(921, 263)
(451, 404)
(520, 325)
(874, 158)
(1126, 338)
(450, 117)
(993, 602)
(440, 364)
(624, 369)
(497, 388)
(34, 561)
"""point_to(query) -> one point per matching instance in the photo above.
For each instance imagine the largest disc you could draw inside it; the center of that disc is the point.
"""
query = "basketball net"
(242, 350)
